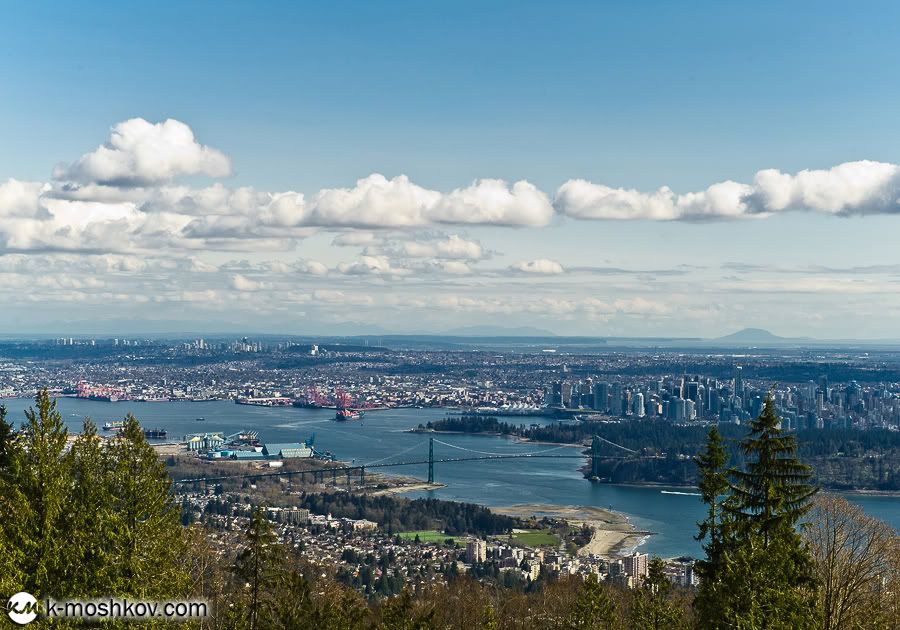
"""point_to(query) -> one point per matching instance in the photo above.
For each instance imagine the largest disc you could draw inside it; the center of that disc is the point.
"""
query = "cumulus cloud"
(379, 202)
(243, 283)
(539, 266)
(139, 152)
(862, 187)
(20, 199)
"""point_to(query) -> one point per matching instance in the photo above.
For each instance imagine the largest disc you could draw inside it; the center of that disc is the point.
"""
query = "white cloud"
(312, 267)
(139, 152)
(539, 266)
(378, 202)
(243, 283)
(20, 199)
(494, 202)
(863, 187)
(353, 239)
(454, 247)
(371, 266)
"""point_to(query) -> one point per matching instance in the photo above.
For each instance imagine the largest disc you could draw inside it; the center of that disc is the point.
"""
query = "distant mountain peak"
(751, 334)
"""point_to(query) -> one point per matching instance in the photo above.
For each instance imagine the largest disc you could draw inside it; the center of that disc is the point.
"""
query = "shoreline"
(614, 535)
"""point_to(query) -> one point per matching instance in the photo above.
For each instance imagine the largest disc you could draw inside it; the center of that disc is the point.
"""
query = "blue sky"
(311, 98)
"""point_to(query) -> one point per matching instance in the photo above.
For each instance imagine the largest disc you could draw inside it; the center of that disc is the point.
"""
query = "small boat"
(200, 419)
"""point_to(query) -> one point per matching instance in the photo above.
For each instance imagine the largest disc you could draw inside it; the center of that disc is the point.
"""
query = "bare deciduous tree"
(856, 563)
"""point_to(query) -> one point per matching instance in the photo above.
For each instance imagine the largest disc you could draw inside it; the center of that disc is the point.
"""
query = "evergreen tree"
(713, 484)
(593, 608)
(89, 528)
(773, 492)
(7, 435)
(761, 576)
(258, 566)
(34, 500)
(145, 534)
(652, 608)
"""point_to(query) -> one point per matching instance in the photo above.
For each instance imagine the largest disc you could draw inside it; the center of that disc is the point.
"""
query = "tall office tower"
(638, 405)
(738, 381)
(690, 410)
(556, 398)
(712, 404)
(615, 403)
(693, 389)
(823, 384)
(566, 394)
(601, 397)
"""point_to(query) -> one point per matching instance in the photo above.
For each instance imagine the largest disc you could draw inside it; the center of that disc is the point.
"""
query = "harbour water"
(383, 436)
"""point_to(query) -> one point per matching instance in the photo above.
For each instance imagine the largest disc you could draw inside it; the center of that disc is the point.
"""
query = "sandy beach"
(613, 534)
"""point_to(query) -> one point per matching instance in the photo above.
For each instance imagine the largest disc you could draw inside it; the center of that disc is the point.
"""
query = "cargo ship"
(343, 415)
(115, 425)
(155, 434)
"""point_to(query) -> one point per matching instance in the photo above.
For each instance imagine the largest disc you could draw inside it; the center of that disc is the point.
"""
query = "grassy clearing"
(429, 536)
(536, 538)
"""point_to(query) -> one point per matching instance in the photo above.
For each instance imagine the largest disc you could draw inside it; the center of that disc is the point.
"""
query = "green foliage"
(36, 505)
(713, 485)
(772, 493)
(258, 565)
(90, 529)
(7, 435)
(652, 607)
(146, 534)
(593, 608)
(90, 520)
(401, 613)
(759, 573)
(400, 514)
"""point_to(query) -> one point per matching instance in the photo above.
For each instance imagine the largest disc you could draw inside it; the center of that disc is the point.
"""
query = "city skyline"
(150, 182)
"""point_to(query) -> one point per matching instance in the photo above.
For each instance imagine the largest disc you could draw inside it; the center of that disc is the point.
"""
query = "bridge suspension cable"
(403, 452)
(472, 450)
(602, 439)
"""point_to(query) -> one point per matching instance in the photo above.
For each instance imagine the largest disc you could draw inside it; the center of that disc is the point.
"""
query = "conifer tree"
(258, 566)
(713, 484)
(652, 608)
(593, 608)
(34, 500)
(773, 493)
(146, 536)
(7, 435)
(762, 575)
(90, 527)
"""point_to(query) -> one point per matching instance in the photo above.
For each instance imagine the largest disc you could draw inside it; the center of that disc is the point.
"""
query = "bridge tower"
(430, 460)
(595, 457)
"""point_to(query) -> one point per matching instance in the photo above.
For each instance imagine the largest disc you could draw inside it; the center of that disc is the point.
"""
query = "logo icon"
(22, 608)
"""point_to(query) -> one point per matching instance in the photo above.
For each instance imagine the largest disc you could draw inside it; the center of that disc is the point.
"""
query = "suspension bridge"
(468, 455)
